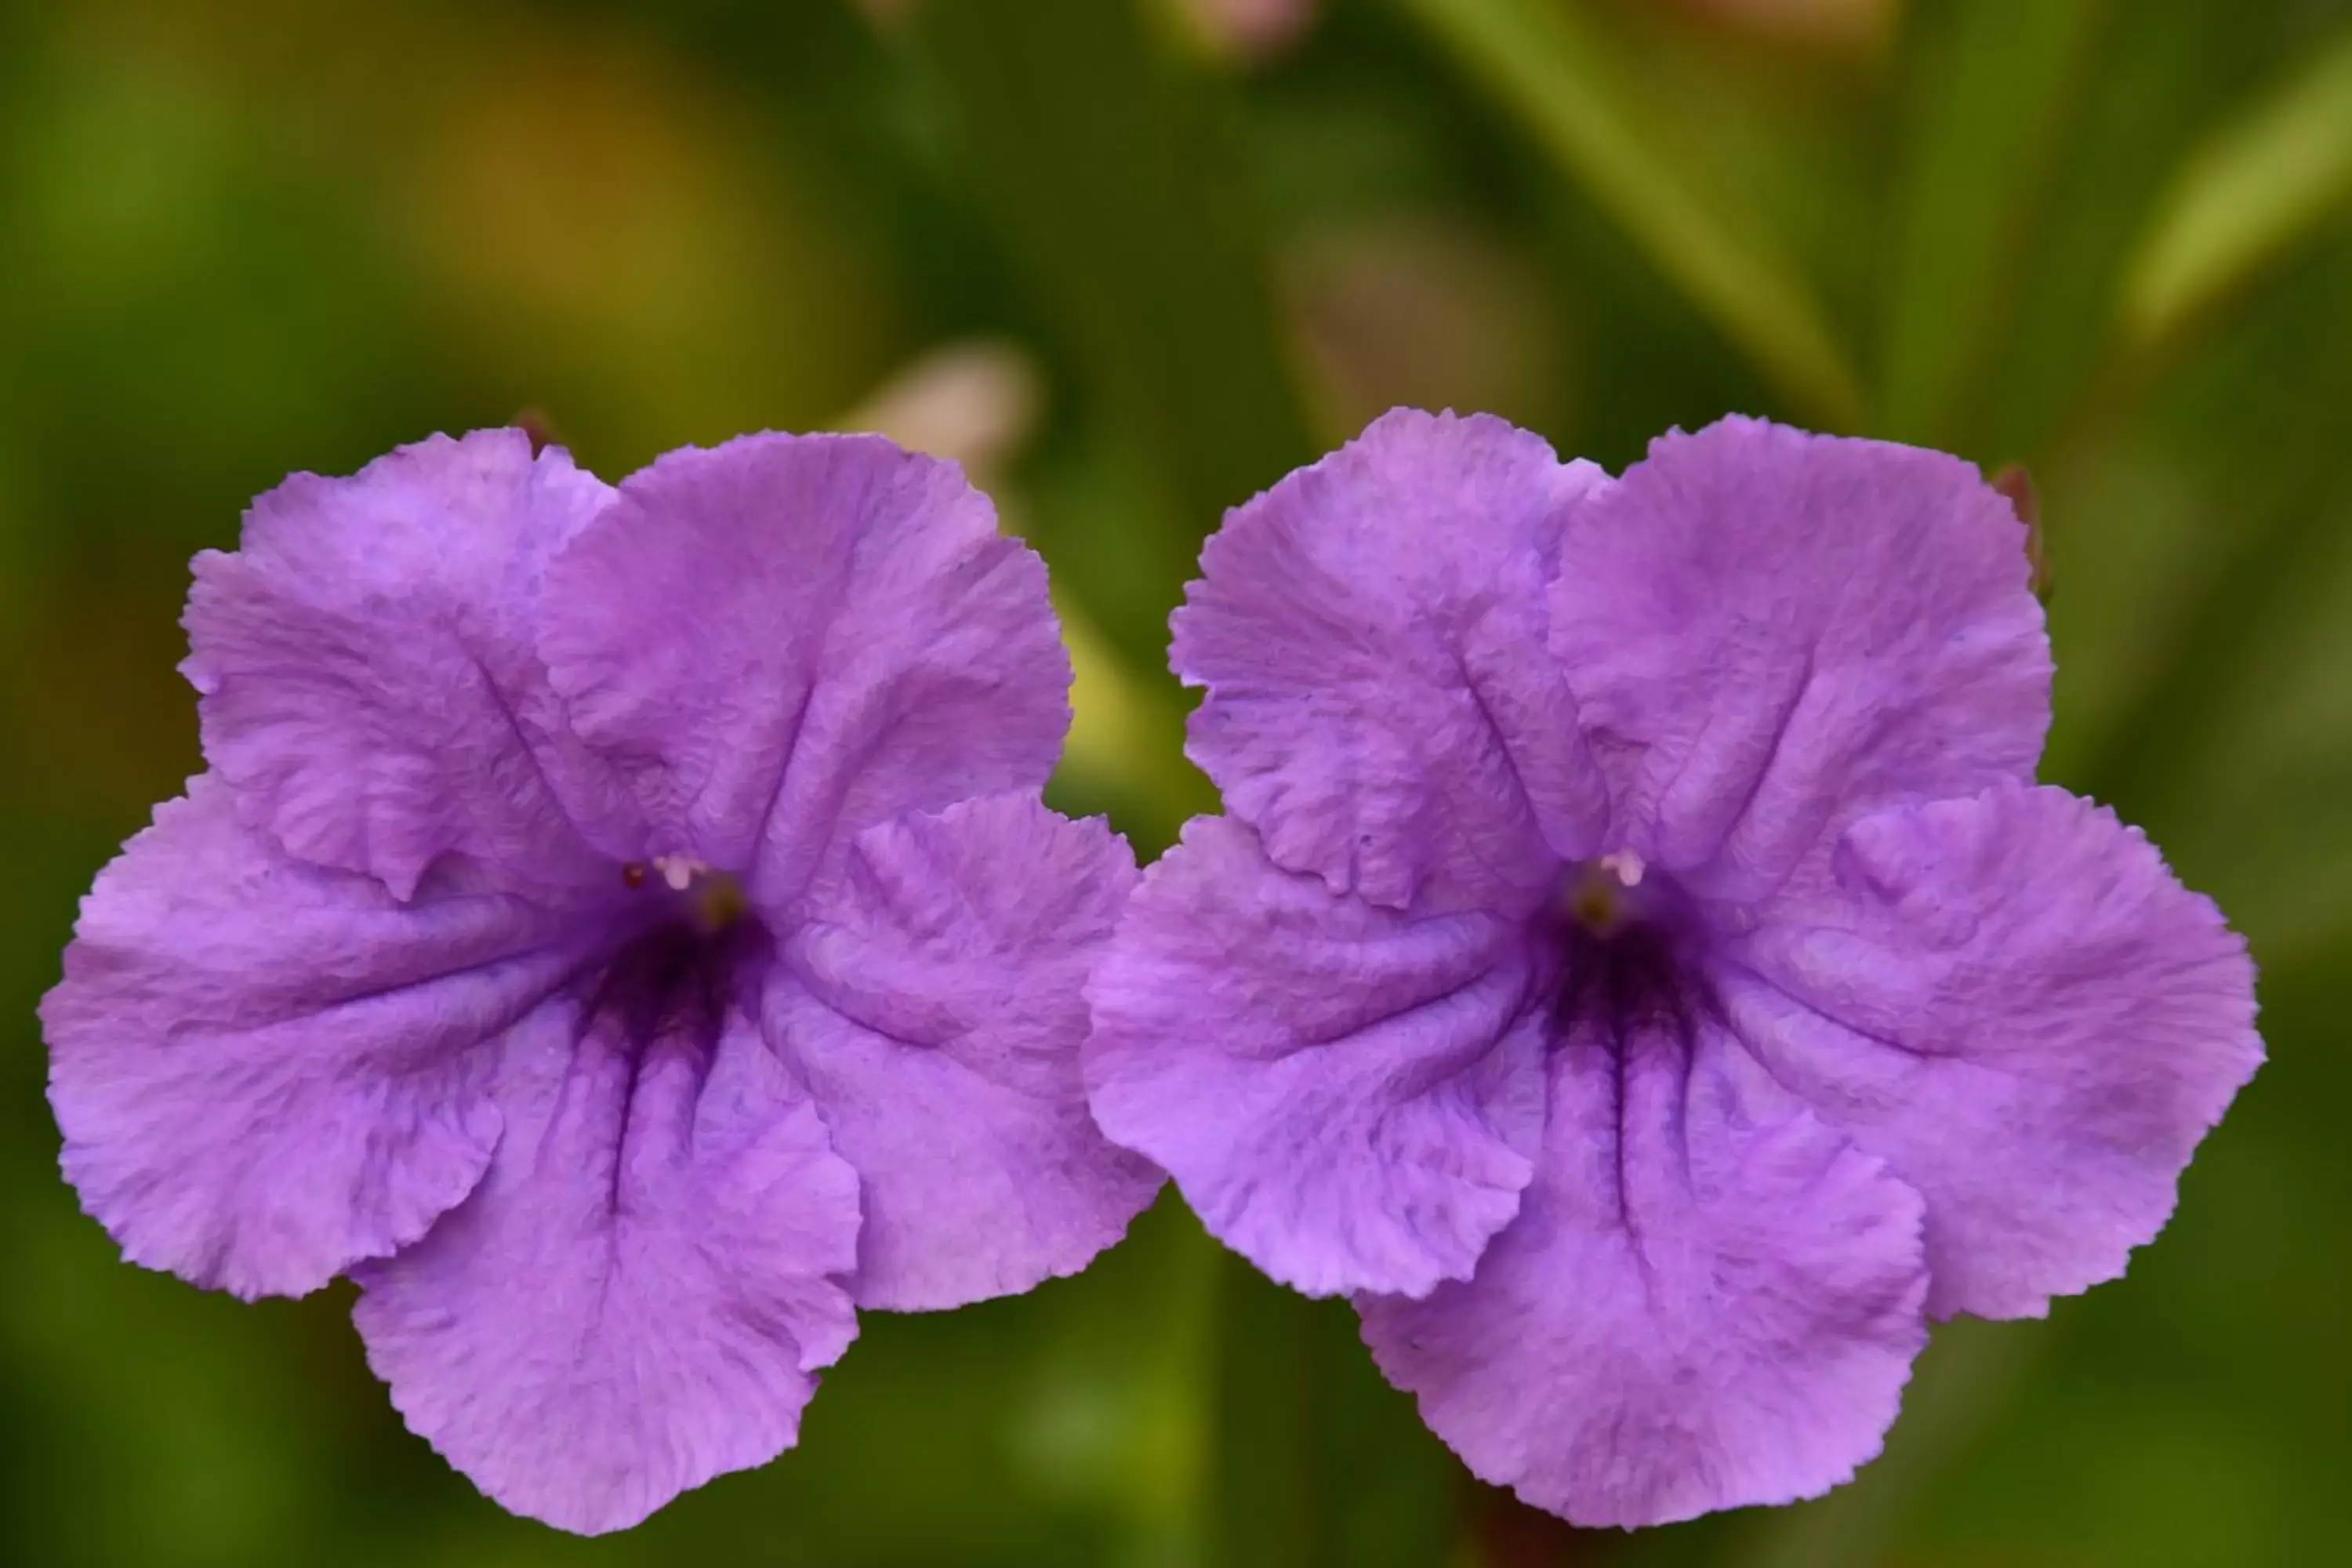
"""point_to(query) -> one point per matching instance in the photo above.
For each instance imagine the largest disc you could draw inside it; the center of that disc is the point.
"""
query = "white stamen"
(678, 871)
(1625, 865)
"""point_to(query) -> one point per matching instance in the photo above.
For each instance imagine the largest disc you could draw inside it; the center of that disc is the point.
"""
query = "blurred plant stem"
(1264, 1508)
(1104, 170)
(1317, 1462)
(1989, 93)
(1552, 69)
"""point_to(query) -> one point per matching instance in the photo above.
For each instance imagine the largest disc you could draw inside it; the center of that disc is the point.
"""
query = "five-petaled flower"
(621, 929)
(1638, 964)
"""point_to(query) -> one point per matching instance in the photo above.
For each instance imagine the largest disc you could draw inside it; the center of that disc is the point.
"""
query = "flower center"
(1600, 895)
(1628, 944)
(691, 943)
(713, 901)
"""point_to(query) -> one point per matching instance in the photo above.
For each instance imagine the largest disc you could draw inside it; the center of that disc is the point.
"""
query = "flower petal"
(264, 1070)
(1369, 631)
(638, 1295)
(369, 678)
(1348, 1097)
(788, 638)
(1772, 634)
(1709, 1298)
(933, 1004)
(2011, 1001)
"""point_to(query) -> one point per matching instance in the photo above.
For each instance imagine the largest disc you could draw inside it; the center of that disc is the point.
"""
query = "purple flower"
(1638, 965)
(620, 928)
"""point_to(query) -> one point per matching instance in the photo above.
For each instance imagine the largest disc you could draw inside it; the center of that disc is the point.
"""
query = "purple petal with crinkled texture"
(1350, 1097)
(933, 1004)
(639, 1294)
(786, 640)
(1709, 1298)
(369, 675)
(1771, 634)
(1369, 631)
(2012, 1001)
(620, 931)
(266, 1071)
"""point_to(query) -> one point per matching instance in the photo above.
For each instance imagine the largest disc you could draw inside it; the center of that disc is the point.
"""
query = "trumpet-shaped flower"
(1638, 965)
(619, 928)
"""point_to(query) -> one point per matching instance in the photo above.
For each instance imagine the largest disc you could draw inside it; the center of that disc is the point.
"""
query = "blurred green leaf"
(2268, 521)
(1103, 161)
(246, 237)
(1988, 90)
(1113, 185)
(1559, 76)
(2255, 189)
(2173, 1417)
(1969, 1369)
(2144, 97)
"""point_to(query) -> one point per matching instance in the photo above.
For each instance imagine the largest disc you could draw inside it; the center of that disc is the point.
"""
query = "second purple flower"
(1638, 965)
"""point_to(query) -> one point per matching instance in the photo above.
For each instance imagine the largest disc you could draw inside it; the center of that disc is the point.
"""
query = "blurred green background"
(1132, 262)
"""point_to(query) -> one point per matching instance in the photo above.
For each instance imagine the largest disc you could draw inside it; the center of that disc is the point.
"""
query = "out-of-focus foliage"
(1131, 259)
(1567, 84)
(2258, 186)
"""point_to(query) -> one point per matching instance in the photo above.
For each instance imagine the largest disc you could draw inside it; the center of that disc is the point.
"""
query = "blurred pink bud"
(976, 402)
(1249, 30)
(1420, 309)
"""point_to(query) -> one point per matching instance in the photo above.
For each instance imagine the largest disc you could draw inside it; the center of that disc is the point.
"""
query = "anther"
(678, 871)
(714, 899)
(1625, 865)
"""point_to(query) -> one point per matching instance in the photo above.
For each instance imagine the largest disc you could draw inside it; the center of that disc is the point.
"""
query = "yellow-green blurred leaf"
(1560, 77)
(2256, 188)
